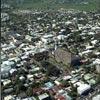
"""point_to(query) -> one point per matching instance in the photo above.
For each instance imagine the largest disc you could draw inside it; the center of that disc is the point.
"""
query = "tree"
(83, 79)
(98, 79)
(73, 92)
(29, 91)
(65, 83)
(87, 69)
(36, 84)
(18, 87)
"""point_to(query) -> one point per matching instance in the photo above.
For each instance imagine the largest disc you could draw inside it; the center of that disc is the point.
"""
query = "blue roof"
(49, 85)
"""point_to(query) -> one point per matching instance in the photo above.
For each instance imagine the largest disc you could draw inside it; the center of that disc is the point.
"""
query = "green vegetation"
(29, 91)
(98, 79)
(92, 5)
(73, 92)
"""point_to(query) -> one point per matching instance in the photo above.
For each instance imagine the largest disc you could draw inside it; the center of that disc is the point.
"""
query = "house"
(4, 5)
(87, 76)
(94, 42)
(13, 71)
(91, 33)
(89, 47)
(62, 95)
(8, 63)
(91, 82)
(44, 96)
(67, 77)
(68, 23)
(38, 91)
(30, 77)
(59, 97)
(8, 90)
(5, 70)
(97, 53)
(61, 37)
(85, 52)
(16, 59)
(57, 82)
(73, 80)
(49, 85)
(29, 98)
(3, 57)
(6, 82)
(4, 17)
(9, 47)
(96, 62)
(98, 68)
(24, 57)
(22, 78)
(36, 69)
(8, 97)
(47, 38)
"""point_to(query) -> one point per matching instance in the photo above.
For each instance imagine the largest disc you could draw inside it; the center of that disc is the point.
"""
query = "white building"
(9, 97)
(5, 70)
(4, 17)
(44, 96)
(97, 63)
(47, 38)
(82, 88)
(6, 82)
(98, 68)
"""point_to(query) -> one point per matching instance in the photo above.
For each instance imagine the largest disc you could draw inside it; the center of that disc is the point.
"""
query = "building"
(97, 64)
(4, 17)
(29, 98)
(83, 88)
(98, 68)
(9, 97)
(5, 71)
(49, 85)
(44, 96)
(47, 38)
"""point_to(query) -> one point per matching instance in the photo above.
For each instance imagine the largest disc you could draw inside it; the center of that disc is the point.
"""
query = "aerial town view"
(50, 50)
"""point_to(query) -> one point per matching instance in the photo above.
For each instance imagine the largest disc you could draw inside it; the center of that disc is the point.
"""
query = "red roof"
(37, 90)
(59, 97)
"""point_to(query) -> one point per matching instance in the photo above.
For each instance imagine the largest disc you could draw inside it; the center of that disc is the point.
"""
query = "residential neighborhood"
(50, 55)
